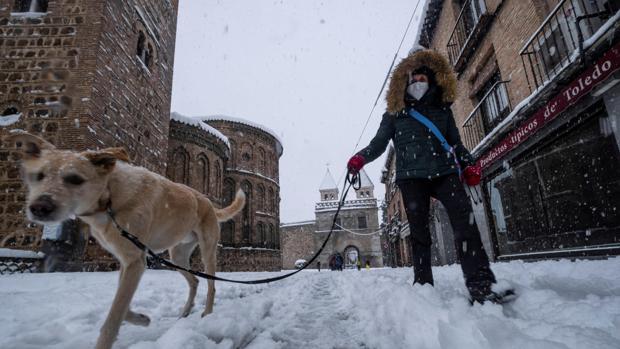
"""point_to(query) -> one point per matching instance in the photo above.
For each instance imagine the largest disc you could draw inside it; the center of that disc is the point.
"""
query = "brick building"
(251, 240)
(356, 236)
(84, 75)
(95, 74)
(539, 110)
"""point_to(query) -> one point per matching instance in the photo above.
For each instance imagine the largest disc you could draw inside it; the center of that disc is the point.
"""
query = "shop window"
(563, 194)
(35, 6)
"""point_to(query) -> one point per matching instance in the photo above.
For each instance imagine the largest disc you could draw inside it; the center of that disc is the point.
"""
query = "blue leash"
(444, 143)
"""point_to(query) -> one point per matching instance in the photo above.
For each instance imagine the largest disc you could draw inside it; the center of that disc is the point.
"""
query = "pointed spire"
(328, 182)
(366, 182)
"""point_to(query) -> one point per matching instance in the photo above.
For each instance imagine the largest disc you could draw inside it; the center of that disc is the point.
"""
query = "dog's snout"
(43, 206)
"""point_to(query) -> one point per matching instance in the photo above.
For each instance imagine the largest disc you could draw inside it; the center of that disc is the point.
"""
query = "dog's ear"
(106, 158)
(30, 145)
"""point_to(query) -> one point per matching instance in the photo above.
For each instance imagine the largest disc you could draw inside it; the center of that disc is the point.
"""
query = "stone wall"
(297, 242)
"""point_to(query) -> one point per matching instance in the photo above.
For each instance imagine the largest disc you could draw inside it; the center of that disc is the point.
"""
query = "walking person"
(424, 82)
(318, 265)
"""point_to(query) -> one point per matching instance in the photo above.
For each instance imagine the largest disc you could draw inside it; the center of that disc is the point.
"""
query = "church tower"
(366, 191)
(328, 189)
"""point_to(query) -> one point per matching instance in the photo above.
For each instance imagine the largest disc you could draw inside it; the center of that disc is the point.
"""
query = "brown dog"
(164, 215)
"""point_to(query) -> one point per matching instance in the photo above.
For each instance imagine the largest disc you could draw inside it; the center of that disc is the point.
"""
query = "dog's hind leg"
(130, 277)
(208, 238)
(180, 255)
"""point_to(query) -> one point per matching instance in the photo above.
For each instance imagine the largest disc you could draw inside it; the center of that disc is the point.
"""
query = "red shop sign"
(601, 70)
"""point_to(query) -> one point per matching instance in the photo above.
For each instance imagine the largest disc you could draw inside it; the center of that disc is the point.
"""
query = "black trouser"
(469, 249)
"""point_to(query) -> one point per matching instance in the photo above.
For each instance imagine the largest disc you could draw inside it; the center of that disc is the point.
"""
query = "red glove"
(356, 163)
(472, 175)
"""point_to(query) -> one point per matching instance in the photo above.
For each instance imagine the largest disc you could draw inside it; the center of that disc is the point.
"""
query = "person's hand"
(472, 175)
(356, 163)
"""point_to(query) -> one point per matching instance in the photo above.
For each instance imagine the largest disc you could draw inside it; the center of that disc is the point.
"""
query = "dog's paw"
(137, 319)
(205, 313)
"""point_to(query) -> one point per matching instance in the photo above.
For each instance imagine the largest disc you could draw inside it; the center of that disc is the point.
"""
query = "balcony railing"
(492, 109)
(554, 44)
(471, 20)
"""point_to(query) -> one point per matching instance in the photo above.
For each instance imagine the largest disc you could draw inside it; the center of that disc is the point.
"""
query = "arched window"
(262, 240)
(246, 219)
(260, 198)
(203, 173)
(246, 155)
(10, 111)
(228, 233)
(229, 191)
(271, 238)
(233, 154)
(270, 196)
(30, 6)
(144, 49)
(262, 161)
(180, 166)
(218, 179)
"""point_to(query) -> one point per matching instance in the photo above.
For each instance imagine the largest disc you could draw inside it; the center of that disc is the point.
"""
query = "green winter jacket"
(418, 152)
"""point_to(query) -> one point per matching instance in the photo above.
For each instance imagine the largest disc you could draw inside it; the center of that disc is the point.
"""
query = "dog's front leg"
(130, 277)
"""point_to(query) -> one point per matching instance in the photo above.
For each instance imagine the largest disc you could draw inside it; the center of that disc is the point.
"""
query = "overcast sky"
(309, 70)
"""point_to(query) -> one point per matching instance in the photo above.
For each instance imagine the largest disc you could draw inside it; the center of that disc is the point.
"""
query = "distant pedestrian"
(318, 265)
(367, 265)
(359, 264)
(339, 262)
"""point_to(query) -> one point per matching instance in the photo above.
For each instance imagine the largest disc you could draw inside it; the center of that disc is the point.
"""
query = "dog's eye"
(36, 177)
(74, 179)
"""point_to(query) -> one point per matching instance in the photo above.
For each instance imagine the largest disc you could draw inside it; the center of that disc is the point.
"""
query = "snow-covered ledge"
(10, 253)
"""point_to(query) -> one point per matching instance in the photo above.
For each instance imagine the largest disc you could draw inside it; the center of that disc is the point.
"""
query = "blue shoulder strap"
(431, 126)
(444, 143)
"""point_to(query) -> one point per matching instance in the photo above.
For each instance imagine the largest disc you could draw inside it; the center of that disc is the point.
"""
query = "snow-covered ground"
(562, 304)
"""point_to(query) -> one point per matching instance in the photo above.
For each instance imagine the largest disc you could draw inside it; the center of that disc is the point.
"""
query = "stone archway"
(351, 256)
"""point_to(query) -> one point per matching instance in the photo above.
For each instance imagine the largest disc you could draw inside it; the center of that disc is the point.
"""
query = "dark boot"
(422, 270)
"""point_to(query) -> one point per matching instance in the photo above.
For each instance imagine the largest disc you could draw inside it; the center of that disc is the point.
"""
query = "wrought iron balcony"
(490, 111)
(554, 45)
(472, 19)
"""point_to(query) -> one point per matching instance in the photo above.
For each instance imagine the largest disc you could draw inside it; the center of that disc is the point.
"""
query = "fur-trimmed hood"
(446, 79)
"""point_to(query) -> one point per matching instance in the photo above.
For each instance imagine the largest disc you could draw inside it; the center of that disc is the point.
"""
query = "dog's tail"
(235, 207)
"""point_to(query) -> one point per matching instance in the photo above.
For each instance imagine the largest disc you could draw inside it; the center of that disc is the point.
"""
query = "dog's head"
(62, 183)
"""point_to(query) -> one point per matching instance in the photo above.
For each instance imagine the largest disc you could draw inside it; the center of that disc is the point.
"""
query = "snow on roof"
(365, 180)
(7, 252)
(297, 224)
(7, 120)
(197, 123)
(219, 117)
(328, 182)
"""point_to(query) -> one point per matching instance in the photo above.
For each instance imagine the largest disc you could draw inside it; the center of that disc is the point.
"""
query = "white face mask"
(417, 89)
